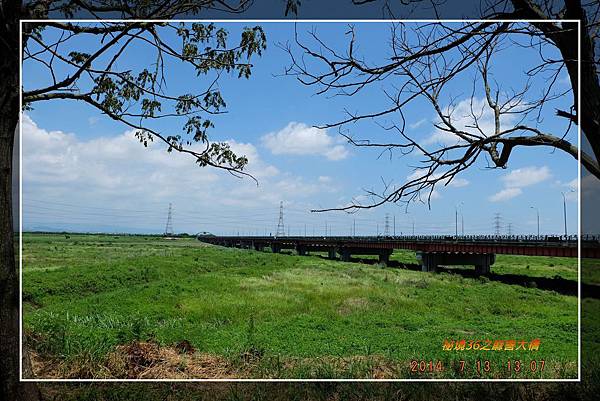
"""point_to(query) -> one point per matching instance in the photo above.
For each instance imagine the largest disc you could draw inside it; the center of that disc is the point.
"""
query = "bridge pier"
(485, 263)
(384, 256)
(301, 250)
(347, 252)
(275, 248)
(431, 260)
(331, 253)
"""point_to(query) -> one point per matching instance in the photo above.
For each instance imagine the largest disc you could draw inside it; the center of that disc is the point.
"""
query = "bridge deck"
(514, 245)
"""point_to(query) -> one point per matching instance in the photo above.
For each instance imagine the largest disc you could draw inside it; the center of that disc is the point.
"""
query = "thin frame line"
(96, 21)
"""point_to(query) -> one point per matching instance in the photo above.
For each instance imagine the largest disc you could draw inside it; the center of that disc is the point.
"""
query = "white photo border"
(291, 21)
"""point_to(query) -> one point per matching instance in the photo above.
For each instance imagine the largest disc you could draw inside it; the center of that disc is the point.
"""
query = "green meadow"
(263, 315)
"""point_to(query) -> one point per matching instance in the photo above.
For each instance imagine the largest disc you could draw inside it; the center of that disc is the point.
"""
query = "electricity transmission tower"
(280, 227)
(509, 229)
(386, 230)
(497, 224)
(169, 226)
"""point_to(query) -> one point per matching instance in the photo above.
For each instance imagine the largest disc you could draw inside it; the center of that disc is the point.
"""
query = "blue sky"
(85, 172)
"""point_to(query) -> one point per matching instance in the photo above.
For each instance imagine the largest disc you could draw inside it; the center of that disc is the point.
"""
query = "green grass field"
(90, 299)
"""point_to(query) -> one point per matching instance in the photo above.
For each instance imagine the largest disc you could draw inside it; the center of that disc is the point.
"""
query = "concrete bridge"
(431, 251)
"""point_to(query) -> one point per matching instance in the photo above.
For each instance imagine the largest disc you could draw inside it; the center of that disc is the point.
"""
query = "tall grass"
(279, 315)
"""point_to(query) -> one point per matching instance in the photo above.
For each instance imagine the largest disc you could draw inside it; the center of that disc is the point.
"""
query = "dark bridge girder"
(347, 252)
(510, 245)
(432, 251)
(431, 260)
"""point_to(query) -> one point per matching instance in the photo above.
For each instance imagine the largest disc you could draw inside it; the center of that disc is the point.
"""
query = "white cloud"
(338, 152)
(459, 182)
(572, 189)
(117, 161)
(117, 172)
(526, 176)
(516, 180)
(256, 166)
(506, 194)
(462, 118)
(301, 139)
(435, 194)
(442, 138)
(418, 123)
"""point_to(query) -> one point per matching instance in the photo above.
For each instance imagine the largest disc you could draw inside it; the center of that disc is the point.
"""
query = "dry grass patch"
(141, 360)
(353, 304)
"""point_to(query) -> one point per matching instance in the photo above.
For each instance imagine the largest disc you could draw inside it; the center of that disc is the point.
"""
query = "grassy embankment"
(117, 306)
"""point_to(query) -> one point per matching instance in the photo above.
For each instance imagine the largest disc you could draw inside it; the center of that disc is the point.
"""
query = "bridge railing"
(533, 239)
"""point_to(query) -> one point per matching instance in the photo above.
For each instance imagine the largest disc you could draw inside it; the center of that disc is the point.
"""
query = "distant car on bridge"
(204, 234)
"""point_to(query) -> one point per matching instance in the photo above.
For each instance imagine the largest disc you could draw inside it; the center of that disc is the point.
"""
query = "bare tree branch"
(424, 59)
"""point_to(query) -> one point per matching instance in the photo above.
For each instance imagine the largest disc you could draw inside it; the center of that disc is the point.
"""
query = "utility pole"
(354, 228)
(394, 225)
(565, 212)
(456, 221)
(326, 228)
(169, 225)
(538, 219)
(565, 208)
(456, 218)
(280, 227)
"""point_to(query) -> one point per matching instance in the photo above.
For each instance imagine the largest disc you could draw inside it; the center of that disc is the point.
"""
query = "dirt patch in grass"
(358, 366)
(420, 283)
(140, 360)
(352, 304)
(146, 360)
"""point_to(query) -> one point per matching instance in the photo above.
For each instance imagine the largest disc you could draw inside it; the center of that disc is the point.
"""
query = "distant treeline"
(179, 235)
